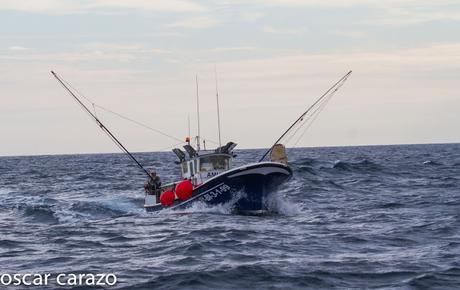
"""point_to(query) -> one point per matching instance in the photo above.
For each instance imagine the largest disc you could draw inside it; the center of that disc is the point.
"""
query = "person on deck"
(153, 183)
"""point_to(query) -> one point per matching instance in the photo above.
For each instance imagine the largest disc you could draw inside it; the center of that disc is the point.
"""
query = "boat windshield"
(209, 163)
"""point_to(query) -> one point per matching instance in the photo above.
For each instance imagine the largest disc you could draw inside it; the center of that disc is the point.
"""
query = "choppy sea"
(375, 217)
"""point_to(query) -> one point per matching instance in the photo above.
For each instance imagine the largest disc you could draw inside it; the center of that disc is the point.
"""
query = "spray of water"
(276, 203)
(202, 207)
(279, 204)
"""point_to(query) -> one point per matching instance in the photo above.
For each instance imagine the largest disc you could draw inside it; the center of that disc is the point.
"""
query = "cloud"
(443, 58)
(108, 46)
(251, 16)
(404, 16)
(160, 51)
(349, 3)
(390, 12)
(79, 6)
(201, 22)
(75, 57)
(297, 3)
(123, 48)
(18, 48)
(235, 48)
(350, 33)
(170, 5)
(102, 52)
(285, 31)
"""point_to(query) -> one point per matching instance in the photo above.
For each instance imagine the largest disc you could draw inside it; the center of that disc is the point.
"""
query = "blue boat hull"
(246, 187)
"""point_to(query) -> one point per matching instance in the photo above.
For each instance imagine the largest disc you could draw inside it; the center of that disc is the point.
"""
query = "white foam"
(4, 191)
(279, 204)
(121, 205)
(65, 216)
(275, 203)
(202, 207)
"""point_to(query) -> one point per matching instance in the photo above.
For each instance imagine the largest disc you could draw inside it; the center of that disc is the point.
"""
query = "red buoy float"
(184, 189)
(167, 198)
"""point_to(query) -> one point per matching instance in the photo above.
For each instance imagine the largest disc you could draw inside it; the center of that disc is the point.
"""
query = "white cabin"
(201, 168)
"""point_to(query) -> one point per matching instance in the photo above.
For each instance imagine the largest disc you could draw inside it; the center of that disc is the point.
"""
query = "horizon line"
(260, 148)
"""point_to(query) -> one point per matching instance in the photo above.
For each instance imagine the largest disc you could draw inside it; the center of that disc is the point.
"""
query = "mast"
(218, 107)
(102, 126)
(197, 115)
(335, 87)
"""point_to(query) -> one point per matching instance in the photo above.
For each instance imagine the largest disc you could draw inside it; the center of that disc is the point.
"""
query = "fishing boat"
(208, 177)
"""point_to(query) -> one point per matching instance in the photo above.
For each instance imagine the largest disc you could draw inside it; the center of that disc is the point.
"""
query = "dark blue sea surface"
(377, 217)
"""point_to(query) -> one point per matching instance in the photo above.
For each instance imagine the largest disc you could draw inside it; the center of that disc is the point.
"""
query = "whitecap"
(279, 204)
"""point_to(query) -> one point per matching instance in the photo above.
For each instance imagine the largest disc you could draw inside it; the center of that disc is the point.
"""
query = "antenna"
(187, 139)
(197, 115)
(188, 123)
(218, 108)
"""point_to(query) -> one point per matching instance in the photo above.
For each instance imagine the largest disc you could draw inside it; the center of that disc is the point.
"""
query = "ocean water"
(377, 217)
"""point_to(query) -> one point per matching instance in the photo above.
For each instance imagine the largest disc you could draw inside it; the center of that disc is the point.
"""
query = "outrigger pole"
(218, 107)
(102, 126)
(197, 115)
(300, 119)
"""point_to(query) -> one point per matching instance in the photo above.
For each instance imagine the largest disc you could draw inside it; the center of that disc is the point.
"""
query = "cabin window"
(195, 164)
(214, 163)
(184, 168)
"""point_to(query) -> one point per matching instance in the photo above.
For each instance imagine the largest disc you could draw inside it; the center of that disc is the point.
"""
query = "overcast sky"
(273, 58)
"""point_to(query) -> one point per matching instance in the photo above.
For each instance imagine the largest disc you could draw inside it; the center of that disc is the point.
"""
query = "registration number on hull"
(221, 189)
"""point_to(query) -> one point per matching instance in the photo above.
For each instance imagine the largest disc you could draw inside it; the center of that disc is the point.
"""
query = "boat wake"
(60, 210)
